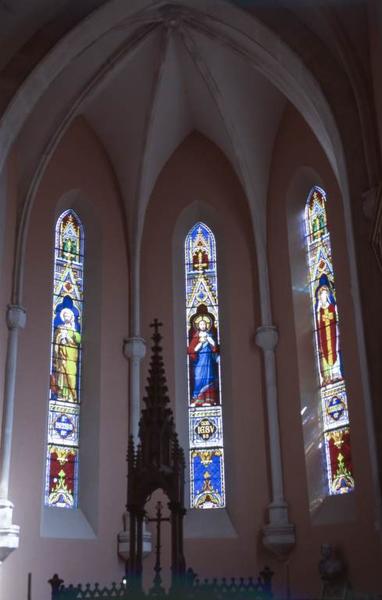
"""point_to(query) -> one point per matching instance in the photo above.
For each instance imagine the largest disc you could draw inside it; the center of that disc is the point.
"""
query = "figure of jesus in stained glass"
(204, 357)
(207, 486)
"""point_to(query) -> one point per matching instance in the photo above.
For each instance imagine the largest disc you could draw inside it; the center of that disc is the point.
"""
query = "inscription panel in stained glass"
(206, 428)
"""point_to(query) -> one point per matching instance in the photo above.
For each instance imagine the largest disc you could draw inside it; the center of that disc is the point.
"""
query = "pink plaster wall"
(79, 163)
(197, 172)
(296, 147)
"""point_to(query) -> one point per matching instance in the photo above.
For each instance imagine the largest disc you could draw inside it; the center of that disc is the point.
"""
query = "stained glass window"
(61, 485)
(207, 488)
(327, 341)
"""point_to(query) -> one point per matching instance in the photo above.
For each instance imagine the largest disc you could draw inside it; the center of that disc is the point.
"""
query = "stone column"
(9, 533)
(278, 534)
(134, 349)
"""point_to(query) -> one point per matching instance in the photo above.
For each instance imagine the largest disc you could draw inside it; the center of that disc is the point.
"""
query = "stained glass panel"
(207, 478)
(334, 406)
(207, 487)
(61, 486)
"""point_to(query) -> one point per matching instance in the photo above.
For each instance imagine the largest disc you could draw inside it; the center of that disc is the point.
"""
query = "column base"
(9, 533)
(279, 535)
(124, 543)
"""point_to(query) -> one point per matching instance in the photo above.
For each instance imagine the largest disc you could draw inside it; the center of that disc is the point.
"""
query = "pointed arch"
(207, 483)
(327, 345)
(61, 481)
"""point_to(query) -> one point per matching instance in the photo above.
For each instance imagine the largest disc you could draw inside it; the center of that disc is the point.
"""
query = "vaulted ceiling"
(144, 86)
(145, 75)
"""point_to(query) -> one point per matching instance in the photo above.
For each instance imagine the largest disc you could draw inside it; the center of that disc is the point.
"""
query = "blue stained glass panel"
(204, 369)
(207, 478)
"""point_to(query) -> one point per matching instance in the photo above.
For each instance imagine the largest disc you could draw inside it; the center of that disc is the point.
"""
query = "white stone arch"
(212, 523)
(257, 44)
(297, 192)
(323, 509)
(81, 522)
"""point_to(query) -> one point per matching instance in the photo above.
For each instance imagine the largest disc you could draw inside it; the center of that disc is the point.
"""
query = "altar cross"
(158, 519)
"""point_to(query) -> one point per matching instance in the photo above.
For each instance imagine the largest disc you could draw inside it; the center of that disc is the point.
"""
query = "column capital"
(279, 539)
(16, 316)
(279, 534)
(9, 533)
(267, 337)
(134, 348)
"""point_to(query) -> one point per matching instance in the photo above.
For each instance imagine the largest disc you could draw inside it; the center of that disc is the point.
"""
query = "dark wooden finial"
(55, 583)
(156, 382)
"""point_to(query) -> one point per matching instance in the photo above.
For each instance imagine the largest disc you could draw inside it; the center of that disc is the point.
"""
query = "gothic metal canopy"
(157, 463)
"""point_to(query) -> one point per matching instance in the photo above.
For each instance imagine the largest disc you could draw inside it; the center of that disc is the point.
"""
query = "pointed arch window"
(61, 483)
(207, 487)
(327, 342)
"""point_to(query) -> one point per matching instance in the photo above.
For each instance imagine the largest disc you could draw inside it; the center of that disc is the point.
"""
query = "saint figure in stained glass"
(327, 332)
(66, 355)
(61, 484)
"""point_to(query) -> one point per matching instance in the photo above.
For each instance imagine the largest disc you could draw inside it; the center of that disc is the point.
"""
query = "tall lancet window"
(61, 484)
(207, 488)
(327, 340)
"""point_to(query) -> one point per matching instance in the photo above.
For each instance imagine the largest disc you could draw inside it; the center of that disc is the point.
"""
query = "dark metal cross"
(158, 519)
(156, 324)
(156, 335)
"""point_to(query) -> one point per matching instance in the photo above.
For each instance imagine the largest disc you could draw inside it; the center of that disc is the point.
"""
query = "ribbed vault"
(145, 75)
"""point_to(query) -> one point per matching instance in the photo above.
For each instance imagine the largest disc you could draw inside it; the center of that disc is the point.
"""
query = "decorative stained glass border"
(61, 481)
(327, 344)
(207, 487)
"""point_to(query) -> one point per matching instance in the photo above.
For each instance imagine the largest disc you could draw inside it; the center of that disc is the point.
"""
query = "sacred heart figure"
(204, 358)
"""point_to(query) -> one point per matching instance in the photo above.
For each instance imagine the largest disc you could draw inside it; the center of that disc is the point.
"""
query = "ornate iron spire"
(157, 463)
(156, 427)
(156, 387)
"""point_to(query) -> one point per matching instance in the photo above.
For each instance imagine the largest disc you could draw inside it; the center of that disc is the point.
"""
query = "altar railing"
(189, 588)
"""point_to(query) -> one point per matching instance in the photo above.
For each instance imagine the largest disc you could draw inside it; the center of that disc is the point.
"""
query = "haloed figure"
(66, 349)
(328, 338)
(204, 358)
